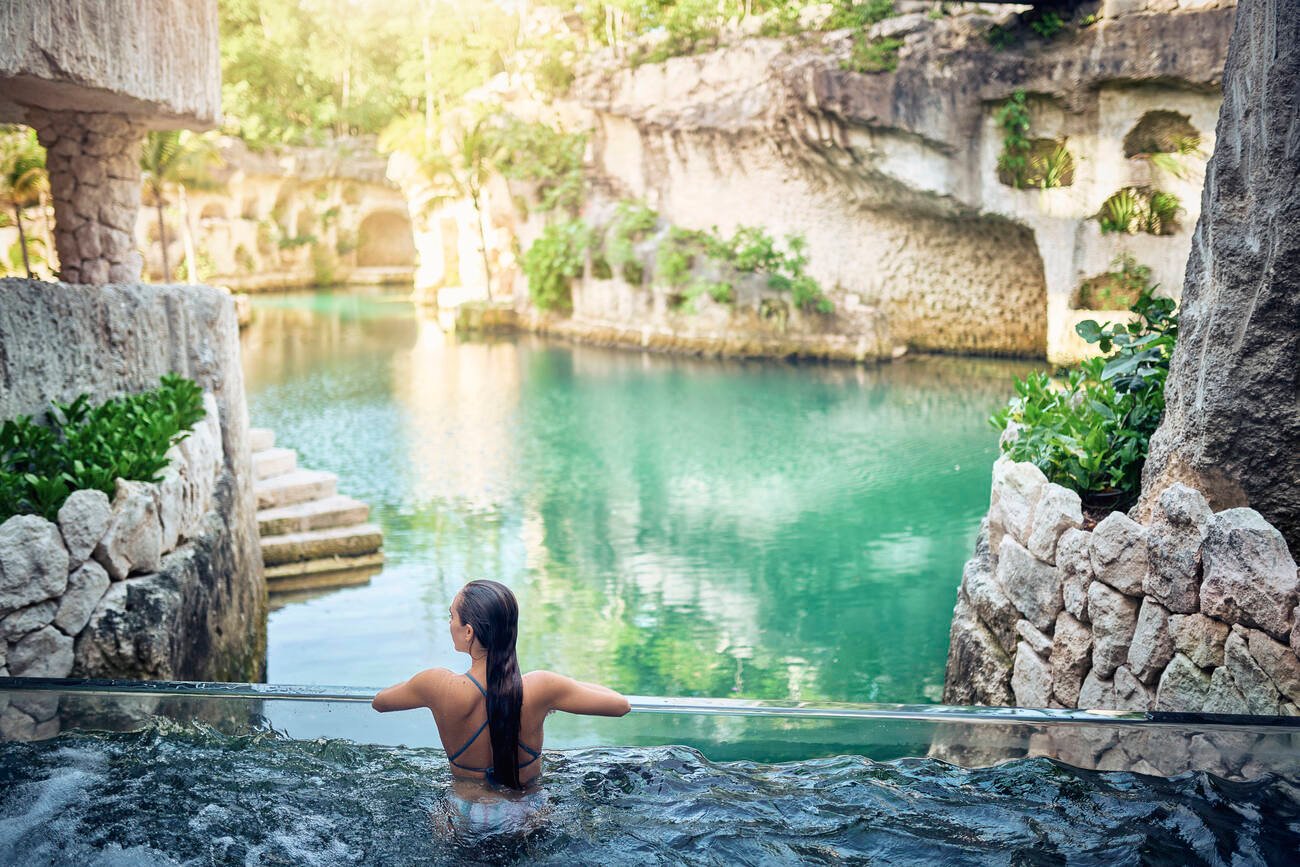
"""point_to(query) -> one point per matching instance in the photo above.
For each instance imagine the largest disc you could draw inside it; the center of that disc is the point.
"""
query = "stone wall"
(1192, 610)
(198, 613)
(64, 583)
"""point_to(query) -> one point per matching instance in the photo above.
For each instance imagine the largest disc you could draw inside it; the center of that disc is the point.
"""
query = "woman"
(490, 718)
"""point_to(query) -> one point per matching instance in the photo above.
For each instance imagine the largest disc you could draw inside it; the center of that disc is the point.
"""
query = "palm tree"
(180, 159)
(23, 180)
(462, 165)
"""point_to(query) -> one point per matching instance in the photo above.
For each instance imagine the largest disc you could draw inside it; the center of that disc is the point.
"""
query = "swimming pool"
(251, 774)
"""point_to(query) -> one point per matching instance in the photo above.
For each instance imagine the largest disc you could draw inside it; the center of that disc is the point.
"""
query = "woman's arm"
(574, 696)
(422, 690)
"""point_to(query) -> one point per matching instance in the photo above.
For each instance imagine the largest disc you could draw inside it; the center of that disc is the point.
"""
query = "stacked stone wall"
(1191, 611)
(62, 584)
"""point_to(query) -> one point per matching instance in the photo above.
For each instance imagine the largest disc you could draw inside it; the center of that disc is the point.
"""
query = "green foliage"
(1119, 289)
(244, 260)
(633, 222)
(1046, 23)
(676, 255)
(554, 70)
(1053, 169)
(83, 447)
(859, 16)
(1000, 37)
(873, 55)
(1140, 209)
(1013, 117)
(553, 261)
(548, 157)
(1091, 432)
(323, 265)
(23, 183)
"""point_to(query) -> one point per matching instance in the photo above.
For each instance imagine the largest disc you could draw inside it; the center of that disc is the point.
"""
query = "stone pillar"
(94, 164)
(1232, 423)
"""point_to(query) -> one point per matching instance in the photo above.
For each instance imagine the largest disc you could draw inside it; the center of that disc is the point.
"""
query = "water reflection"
(672, 526)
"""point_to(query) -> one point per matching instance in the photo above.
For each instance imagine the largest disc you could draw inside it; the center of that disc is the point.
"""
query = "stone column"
(1232, 423)
(94, 164)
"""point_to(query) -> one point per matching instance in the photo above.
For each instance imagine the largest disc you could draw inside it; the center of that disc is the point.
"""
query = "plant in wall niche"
(1140, 209)
(1046, 23)
(1013, 118)
(1053, 169)
(84, 447)
(1091, 432)
(1118, 289)
(553, 261)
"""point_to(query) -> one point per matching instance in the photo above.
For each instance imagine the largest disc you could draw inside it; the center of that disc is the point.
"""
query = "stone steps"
(273, 462)
(297, 486)
(336, 511)
(313, 538)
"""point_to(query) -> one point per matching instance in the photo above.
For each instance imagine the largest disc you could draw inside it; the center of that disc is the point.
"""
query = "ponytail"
(490, 608)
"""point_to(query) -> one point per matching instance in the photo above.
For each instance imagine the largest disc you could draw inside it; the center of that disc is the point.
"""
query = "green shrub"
(873, 55)
(553, 261)
(859, 16)
(676, 256)
(244, 260)
(1000, 37)
(633, 222)
(548, 157)
(1046, 23)
(1140, 209)
(1119, 213)
(1013, 161)
(84, 447)
(1091, 432)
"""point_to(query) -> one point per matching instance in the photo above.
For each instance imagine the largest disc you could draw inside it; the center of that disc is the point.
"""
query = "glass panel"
(235, 773)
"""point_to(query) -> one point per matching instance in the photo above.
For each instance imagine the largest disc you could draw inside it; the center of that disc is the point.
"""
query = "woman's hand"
(422, 690)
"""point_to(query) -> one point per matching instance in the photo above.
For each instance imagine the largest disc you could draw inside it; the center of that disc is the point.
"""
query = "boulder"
(1031, 678)
(1183, 686)
(33, 562)
(1071, 657)
(1199, 638)
(1097, 693)
(1119, 553)
(1034, 587)
(990, 603)
(1250, 577)
(83, 520)
(1114, 620)
(133, 542)
(1130, 692)
(1074, 560)
(1152, 646)
(1058, 509)
(86, 587)
(1038, 642)
(29, 619)
(16, 725)
(1223, 695)
(979, 670)
(1016, 489)
(1277, 661)
(1180, 522)
(1256, 687)
(46, 652)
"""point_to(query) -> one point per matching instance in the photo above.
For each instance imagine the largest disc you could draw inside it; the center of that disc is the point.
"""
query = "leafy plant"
(632, 223)
(1091, 432)
(1140, 209)
(873, 55)
(1047, 24)
(1055, 169)
(1120, 212)
(676, 255)
(1118, 289)
(1013, 118)
(859, 16)
(1161, 216)
(553, 261)
(89, 447)
(549, 157)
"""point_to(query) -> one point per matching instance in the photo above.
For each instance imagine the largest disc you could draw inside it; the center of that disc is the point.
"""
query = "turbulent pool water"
(671, 526)
(189, 795)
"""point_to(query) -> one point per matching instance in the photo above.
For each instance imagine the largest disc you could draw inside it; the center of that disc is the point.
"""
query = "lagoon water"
(671, 526)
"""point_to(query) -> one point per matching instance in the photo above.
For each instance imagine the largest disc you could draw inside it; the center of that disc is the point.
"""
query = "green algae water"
(671, 526)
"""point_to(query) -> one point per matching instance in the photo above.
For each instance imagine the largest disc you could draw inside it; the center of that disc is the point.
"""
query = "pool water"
(671, 526)
(175, 793)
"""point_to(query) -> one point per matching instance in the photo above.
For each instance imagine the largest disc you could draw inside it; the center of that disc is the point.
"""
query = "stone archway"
(385, 240)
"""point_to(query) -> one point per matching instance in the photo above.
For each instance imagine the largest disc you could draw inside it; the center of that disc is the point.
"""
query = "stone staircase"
(313, 537)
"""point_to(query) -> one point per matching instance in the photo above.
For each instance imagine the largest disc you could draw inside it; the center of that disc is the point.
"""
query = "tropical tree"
(460, 162)
(23, 179)
(177, 159)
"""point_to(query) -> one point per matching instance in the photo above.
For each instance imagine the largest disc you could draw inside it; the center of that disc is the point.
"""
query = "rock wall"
(1232, 423)
(198, 613)
(1192, 610)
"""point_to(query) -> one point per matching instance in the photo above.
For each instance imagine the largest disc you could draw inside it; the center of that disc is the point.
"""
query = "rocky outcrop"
(1090, 633)
(165, 581)
(1231, 427)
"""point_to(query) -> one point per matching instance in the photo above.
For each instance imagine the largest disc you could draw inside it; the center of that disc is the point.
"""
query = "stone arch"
(385, 239)
(1162, 132)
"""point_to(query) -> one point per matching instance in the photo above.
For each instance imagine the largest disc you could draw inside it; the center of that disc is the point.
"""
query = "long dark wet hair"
(490, 608)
